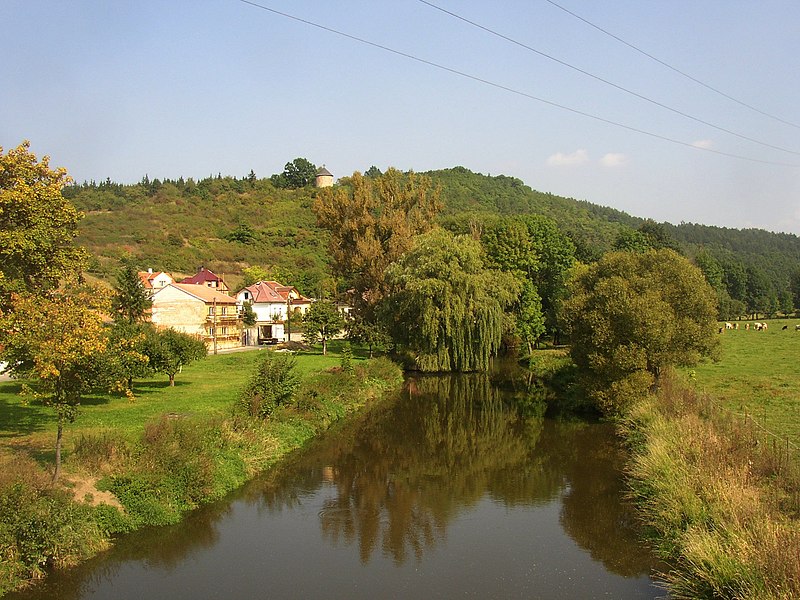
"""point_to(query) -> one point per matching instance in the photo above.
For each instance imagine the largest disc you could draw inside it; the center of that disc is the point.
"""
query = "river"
(457, 487)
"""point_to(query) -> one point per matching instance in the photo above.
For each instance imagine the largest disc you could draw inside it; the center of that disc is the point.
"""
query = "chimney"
(149, 271)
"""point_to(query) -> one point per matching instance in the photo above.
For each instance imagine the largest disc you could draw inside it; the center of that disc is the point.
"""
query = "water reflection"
(391, 485)
(403, 473)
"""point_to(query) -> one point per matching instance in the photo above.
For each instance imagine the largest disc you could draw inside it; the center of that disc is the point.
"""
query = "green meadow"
(758, 374)
(205, 388)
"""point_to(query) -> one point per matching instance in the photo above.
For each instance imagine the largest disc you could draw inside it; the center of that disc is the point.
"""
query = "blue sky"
(179, 88)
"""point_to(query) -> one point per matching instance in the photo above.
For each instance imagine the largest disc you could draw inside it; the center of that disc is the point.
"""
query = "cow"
(728, 325)
(784, 328)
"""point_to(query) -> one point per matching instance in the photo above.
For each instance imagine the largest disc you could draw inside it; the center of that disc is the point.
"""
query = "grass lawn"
(205, 387)
(759, 372)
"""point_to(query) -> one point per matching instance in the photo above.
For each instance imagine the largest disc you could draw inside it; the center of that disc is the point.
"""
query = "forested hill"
(228, 223)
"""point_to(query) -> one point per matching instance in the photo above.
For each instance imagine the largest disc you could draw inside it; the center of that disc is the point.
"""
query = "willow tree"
(444, 306)
(372, 222)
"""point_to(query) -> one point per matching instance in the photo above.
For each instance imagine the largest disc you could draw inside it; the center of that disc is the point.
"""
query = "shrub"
(273, 384)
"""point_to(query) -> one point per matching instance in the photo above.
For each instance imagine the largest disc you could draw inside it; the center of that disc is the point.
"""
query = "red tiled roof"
(272, 291)
(147, 277)
(202, 276)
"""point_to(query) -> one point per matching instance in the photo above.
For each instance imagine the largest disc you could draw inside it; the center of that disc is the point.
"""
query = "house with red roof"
(198, 310)
(272, 302)
(155, 281)
(207, 278)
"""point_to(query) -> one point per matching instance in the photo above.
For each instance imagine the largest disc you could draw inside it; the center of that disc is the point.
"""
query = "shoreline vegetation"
(719, 493)
(160, 455)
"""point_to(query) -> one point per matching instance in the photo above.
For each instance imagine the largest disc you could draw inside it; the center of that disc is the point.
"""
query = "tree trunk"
(59, 435)
(324, 347)
(172, 380)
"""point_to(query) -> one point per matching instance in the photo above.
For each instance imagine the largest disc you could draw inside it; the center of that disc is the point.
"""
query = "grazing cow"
(758, 326)
(797, 327)
(764, 326)
(736, 326)
(747, 326)
(728, 325)
(784, 328)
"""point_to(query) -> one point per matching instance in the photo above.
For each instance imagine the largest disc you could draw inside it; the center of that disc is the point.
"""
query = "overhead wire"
(673, 68)
(606, 81)
(509, 89)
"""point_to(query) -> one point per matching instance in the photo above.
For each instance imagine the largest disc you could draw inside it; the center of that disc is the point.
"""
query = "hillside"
(227, 224)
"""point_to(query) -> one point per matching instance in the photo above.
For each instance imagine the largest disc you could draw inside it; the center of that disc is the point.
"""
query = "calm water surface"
(448, 491)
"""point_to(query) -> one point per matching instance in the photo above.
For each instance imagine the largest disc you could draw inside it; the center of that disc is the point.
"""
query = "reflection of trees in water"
(402, 473)
(593, 513)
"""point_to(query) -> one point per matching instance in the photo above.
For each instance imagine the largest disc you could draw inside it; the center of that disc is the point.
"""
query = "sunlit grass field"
(206, 387)
(758, 373)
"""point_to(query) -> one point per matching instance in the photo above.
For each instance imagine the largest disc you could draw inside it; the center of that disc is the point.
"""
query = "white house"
(155, 281)
(271, 302)
(198, 310)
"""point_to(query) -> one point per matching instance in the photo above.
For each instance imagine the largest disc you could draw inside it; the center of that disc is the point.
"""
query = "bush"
(273, 384)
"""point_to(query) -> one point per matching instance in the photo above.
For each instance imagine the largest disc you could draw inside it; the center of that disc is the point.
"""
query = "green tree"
(296, 174)
(445, 307)
(273, 384)
(372, 222)
(169, 351)
(37, 225)
(630, 316)
(249, 318)
(257, 273)
(373, 334)
(321, 322)
(130, 301)
(56, 340)
(794, 286)
(126, 356)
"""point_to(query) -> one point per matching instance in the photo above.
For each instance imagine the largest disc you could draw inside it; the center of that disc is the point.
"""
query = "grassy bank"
(161, 455)
(720, 505)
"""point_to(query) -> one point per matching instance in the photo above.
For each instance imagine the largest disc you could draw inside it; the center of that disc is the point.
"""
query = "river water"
(456, 488)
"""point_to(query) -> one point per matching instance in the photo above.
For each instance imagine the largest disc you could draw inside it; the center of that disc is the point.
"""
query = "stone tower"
(324, 177)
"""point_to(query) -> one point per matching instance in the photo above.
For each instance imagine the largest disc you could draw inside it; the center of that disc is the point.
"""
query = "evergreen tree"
(131, 300)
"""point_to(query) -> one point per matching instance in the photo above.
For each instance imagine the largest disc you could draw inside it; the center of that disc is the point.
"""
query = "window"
(224, 331)
(224, 310)
(210, 311)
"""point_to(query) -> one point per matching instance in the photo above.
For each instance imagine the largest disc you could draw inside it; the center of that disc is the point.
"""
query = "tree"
(257, 273)
(321, 322)
(296, 174)
(794, 286)
(632, 315)
(374, 335)
(372, 222)
(169, 351)
(131, 301)
(37, 225)
(444, 306)
(273, 384)
(126, 356)
(249, 318)
(56, 340)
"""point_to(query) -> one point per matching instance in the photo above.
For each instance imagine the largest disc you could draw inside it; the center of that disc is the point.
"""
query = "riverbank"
(720, 502)
(161, 455)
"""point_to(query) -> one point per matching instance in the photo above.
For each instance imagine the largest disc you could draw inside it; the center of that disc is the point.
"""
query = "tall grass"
(721, 506)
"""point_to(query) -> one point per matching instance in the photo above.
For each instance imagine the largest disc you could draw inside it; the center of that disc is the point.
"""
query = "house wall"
(174, 308)
(161, 281)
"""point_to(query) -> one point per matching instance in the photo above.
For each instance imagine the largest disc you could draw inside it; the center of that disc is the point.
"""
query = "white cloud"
(559, 159)
(613, 159)
(706, 144)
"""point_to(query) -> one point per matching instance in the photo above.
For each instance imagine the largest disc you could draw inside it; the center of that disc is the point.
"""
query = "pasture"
(759, 374)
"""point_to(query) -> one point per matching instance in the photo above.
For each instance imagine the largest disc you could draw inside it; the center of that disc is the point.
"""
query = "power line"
(606, 81)
(509, 89)
(675, 69)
